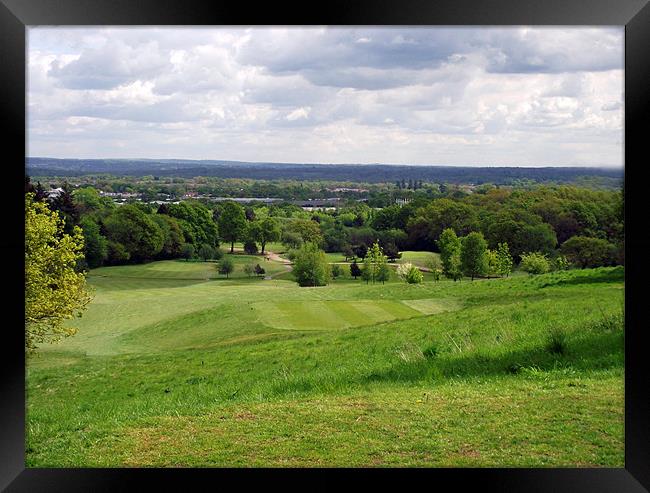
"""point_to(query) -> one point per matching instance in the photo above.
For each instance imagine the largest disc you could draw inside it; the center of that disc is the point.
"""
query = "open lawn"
(174, 365)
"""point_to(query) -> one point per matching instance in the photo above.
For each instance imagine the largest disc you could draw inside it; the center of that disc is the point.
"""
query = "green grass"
(171, 369)
(417, 258)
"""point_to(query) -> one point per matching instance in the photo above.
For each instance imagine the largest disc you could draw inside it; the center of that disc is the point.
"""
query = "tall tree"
(375, 265)
(504, 260)
(473, 255)
(232, 223)
(264, 231)
(54, 290)
(450, 248)
(310, 266)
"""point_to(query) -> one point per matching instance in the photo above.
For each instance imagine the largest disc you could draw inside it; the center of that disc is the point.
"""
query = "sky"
(474, 96)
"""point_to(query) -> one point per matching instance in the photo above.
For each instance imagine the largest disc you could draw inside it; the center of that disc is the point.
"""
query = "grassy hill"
(174, 365)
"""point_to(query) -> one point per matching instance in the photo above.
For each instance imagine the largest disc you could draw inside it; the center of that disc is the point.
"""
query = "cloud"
(404, 95)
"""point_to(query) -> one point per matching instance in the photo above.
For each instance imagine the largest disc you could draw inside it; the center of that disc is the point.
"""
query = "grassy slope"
(177, 370)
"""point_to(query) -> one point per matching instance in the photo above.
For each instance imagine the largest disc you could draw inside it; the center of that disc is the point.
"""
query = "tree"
(589, 252)
(435, 266)
(226, 266)
(504, 260)
(534, 263)
(95, 244)
(392, 252)
(136, 231)
(264, 231)
(491, 263)
(187, 251)
(173, 237)
(450, 248)
(232, 223)
(409, 273)
(206, 252)
(310, 266)
(250, 247)
(196, 222)
(373, 269)
(473, 255)
(355, 271)
(249, 269)
(336, 271)
(64, 204)
(259, 270)
(54, 290)
(308, 231)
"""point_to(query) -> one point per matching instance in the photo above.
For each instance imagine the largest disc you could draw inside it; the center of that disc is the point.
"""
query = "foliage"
(226, 266)
(504, 260)
(95, 244)
(561, 263)
(310, 266)
(54, 291)
(589, 252)
(534, 263)
(141, 237)
(375, 266)
(450, 250)
(409, 273)
(336, 271)
(187, 251)
(196, 221)
(355, 270)
(231, 223)
(473, 255)
(249, 269)
(264, 230)
(206, 252)
(250, 247)
(259, 270)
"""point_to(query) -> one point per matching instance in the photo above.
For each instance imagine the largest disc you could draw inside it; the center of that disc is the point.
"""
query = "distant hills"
(369, 173)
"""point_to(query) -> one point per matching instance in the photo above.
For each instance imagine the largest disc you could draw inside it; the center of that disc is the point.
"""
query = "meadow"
(175, 365)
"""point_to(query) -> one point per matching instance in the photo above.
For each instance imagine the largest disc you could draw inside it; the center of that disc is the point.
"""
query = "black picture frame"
(16, 15)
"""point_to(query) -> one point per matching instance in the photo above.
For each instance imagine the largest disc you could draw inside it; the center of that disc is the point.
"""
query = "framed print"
(368, 238)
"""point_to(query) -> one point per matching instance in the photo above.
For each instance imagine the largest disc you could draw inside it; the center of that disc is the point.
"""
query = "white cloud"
(485, 96)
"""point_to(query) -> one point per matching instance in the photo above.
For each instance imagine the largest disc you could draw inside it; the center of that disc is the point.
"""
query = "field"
(174, 365)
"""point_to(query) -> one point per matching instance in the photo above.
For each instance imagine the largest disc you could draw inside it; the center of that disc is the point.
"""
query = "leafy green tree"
(491, 263)
(54, 290)
(206, 252)
(64, 204)
(589, 252)
(187, 251)
(259, 270)
(435, 266)
(250, 247)
(450, 249)
(310, 266)
(504, 260)
(336, 271)
(534, 263)
(232, 223)
(226, 266)
(473, 255)
(136, 231)
(265, 230)
(249, 270)
(196, 222)
(372, 265)
(355, 271)
(173, 237)
(95, 244)
(309, 231)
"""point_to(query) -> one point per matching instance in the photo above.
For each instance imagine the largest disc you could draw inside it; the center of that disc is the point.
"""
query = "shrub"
(336, 271)
(250, 247)
(589, 252)
(534, 263)
(259, 270)
(409, 273)
(206, 252)
(249, 269)
(226, 266)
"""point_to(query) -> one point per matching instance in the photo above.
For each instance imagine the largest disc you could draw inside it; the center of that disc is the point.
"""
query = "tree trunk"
(232, 247)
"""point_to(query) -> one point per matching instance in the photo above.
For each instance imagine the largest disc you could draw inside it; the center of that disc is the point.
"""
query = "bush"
(534, 263)
(310, 267)
(187, 251)
(336, 271)
(259, 270)
(589, 252)
(410, 273)
(250, 247)
(206, 252)
(226, 266)
(249, 269)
